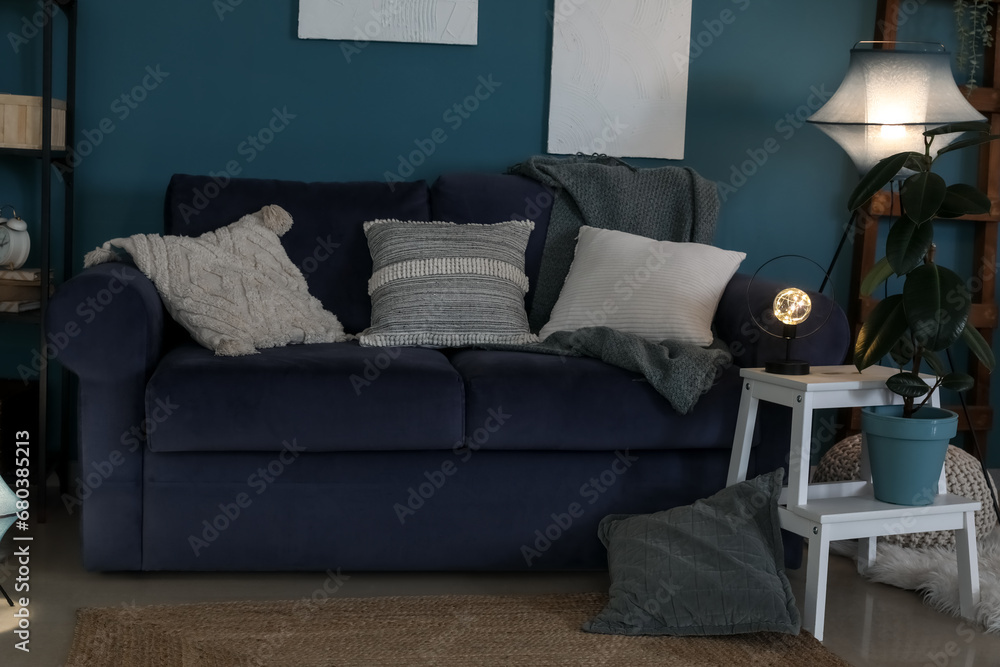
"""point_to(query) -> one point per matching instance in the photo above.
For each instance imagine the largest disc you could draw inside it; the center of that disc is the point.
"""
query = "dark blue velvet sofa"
(316, 457)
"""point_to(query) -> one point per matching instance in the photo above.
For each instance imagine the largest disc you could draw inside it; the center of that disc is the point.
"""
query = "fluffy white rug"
(933, 573)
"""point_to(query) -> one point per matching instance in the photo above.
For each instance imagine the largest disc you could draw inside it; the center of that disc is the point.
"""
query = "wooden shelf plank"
(984, 100)
(29, 317)
(883, 204)
(981, 315)
(31, 152)
(981, 415)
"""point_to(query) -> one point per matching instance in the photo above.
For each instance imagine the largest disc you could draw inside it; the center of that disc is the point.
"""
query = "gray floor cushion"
(712, 568)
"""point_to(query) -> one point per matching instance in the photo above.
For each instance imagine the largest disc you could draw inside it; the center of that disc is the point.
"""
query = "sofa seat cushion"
(523, 400)
(325, 397)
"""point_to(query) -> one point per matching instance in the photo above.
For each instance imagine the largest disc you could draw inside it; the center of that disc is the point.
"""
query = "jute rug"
(446, 630)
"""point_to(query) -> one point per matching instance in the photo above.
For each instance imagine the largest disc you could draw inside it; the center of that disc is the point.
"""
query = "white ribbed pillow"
(659, 290)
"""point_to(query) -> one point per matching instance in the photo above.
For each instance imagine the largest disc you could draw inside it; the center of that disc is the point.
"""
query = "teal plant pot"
(907, 454)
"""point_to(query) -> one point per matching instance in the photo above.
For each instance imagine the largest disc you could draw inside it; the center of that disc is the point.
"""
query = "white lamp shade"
(888, 99)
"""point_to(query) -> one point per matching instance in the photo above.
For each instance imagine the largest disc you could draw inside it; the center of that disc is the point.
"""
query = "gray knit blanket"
(666, 204)
(680, 372)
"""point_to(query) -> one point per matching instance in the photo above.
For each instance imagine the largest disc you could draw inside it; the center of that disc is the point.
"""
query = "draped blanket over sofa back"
(667, 204)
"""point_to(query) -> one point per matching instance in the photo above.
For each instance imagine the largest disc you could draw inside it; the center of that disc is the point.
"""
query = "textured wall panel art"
(435, 21)
(619, 77)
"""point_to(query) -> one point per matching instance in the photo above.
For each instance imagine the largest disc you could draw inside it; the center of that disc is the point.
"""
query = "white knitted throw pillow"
(658, 290)
(234, 289)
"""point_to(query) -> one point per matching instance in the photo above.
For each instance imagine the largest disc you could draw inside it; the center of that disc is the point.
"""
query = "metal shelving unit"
(50, 159)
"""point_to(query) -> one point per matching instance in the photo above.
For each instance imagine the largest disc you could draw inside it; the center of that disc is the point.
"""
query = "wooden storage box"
(21, 122)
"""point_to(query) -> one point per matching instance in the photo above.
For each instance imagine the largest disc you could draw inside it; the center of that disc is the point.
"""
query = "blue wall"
(224, 74)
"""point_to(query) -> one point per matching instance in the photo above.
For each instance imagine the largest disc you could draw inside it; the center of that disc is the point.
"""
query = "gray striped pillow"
(441, 284)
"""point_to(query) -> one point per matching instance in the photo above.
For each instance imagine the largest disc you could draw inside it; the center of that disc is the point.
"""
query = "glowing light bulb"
(792, 306)
(892, 131)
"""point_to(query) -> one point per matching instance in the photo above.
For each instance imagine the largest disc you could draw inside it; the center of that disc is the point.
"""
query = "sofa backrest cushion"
(490, 198)
(326, 241)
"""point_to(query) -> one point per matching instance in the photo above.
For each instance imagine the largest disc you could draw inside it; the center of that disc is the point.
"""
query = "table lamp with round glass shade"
(889, 98)
(786, 312)
(792, 307)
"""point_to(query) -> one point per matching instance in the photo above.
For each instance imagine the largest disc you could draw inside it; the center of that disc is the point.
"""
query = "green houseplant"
(927, 318)
(972, 22)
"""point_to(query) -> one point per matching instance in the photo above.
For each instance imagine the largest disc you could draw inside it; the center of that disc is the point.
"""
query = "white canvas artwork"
(430, 21)
(619, 77)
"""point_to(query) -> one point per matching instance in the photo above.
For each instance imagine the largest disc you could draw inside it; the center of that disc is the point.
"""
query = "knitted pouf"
(962, 470)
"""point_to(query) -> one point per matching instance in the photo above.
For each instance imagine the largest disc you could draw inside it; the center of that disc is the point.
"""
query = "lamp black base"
(787, 367)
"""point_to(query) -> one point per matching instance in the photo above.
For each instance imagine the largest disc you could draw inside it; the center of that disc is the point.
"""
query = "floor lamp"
(892, 93)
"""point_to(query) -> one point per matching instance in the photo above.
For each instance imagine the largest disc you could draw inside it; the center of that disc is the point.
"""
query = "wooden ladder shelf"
(984, 315)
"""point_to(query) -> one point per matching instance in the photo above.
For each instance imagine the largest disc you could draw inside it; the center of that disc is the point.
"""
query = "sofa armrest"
(107, 326)
(107, 322)
(751, 347)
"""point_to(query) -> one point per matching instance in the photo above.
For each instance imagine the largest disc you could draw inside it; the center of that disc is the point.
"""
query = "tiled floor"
(867, 624)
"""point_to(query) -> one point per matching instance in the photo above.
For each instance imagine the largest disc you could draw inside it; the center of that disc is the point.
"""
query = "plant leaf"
(902, 351)
(937, 306)
(963, 199)
(957, 382)
(880, 332)
(966, 143)
(922, 195)
(979, 347)
(878, 275)
(877, 178)
(918, 162)
(907, 244)
(934, 361)
(907, 384)
(964, 126)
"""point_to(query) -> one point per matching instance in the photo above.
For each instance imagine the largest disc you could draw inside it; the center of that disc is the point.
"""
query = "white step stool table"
(833, 511)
